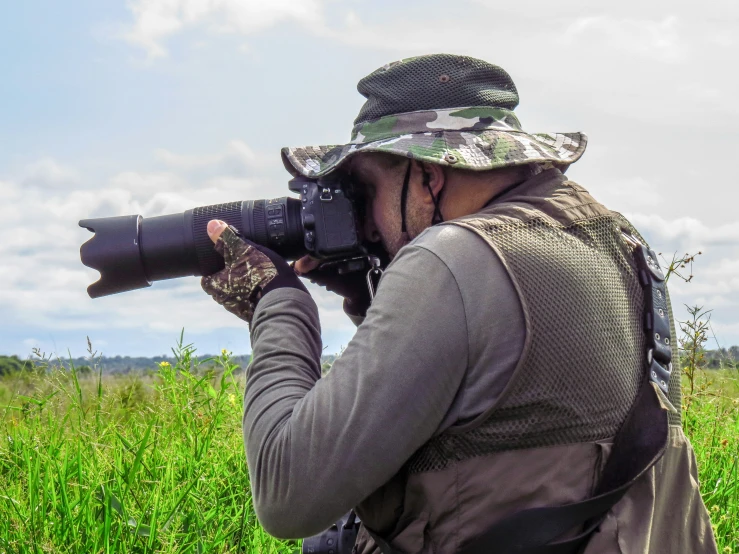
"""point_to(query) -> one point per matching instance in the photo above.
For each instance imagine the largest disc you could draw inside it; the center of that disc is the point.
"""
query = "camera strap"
(373, 275)
(437, 217)
(637, 446)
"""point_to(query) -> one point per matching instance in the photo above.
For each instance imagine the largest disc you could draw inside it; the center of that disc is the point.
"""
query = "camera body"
(329, 218)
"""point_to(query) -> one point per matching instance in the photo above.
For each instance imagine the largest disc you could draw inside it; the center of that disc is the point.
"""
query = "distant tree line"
(123, 364)
(12, 364)
(723, 358)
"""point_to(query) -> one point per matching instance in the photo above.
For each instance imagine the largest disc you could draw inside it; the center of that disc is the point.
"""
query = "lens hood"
(114, 251)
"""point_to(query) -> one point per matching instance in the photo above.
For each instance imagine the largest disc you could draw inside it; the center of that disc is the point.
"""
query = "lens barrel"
(131, 252)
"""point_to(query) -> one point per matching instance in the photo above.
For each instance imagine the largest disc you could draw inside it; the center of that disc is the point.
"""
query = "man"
(502, 354)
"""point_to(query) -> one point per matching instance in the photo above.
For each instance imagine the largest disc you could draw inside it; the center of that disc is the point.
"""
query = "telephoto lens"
(131, 252)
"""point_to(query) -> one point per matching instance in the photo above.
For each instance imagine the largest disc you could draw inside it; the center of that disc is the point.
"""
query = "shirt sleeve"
(355, 318)
(317, 447)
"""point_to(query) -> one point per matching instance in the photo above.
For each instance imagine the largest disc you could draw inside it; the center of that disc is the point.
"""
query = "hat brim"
(475, 150)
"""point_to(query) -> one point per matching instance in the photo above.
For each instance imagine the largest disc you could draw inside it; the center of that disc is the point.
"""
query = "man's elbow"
(290, 520)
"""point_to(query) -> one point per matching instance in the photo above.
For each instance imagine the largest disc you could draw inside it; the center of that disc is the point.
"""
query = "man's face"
(383, 184)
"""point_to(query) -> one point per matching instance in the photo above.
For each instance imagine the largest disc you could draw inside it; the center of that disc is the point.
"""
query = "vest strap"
(640, 442)
(381, 543)
(656, 319)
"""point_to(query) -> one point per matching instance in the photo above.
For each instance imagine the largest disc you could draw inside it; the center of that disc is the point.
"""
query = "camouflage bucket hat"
(445, 109)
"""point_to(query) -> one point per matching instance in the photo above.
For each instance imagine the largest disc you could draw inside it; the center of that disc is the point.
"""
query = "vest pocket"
(411, 535)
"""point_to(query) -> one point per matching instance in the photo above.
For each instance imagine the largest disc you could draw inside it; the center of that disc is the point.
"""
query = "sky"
(154, 107)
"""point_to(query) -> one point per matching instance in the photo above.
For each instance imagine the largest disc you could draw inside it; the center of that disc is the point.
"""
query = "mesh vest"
(584, 356)
(585, 353)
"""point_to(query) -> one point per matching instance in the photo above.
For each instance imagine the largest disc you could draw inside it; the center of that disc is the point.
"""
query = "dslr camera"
(131, 252)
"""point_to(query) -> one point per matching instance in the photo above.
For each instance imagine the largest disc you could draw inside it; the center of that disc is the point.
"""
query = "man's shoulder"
(470, 261)
(453, 244)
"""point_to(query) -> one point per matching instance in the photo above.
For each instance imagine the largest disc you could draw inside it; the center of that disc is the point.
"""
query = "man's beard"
(392, 247)
(415, 220)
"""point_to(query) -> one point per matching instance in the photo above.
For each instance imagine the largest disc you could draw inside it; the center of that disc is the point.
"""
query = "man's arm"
(354, 317)
(315, 447)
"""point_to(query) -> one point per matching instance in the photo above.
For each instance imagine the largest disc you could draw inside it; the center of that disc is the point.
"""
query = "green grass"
(127, 464)
(155, 462)
(711, 421)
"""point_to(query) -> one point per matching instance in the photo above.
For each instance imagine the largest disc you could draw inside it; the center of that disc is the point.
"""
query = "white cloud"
(657, 39)
(722, 329)
(630, 192)
(238, 156)
(156, 20)
(48, 173)
(687, 233)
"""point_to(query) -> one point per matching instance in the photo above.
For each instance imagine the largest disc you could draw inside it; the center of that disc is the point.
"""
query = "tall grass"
(711, 421)
(155, 462)
(130, 464)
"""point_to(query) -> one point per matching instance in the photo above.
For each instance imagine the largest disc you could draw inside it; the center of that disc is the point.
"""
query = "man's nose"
(371, 233)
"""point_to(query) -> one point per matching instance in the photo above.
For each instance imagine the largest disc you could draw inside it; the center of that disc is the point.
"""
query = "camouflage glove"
(251, 272)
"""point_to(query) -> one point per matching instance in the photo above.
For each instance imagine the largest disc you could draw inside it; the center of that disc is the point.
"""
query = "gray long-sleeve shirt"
(436, 349)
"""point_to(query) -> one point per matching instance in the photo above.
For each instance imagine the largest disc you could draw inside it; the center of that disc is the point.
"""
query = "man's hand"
(251, 272)
(351, 286)
(306, 264)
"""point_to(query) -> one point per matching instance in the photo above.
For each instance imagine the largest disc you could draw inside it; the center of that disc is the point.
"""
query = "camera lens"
(131, 251)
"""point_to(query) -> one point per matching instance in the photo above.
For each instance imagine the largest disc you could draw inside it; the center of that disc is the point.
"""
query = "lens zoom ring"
(210, 261)
(259, 223)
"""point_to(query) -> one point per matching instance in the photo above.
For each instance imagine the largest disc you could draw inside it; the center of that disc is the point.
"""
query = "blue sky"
(157, 106)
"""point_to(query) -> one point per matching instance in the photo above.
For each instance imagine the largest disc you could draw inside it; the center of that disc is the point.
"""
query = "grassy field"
(155, 462)
(134, 464)
(711, 421)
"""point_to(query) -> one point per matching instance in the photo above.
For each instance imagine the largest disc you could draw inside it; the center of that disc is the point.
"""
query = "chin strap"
(404, 197)
(437, 217)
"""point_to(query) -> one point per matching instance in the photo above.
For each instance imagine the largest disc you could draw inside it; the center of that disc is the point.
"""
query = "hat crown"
(434, 82)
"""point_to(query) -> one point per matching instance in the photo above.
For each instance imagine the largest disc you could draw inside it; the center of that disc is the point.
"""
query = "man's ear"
(436, 178)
